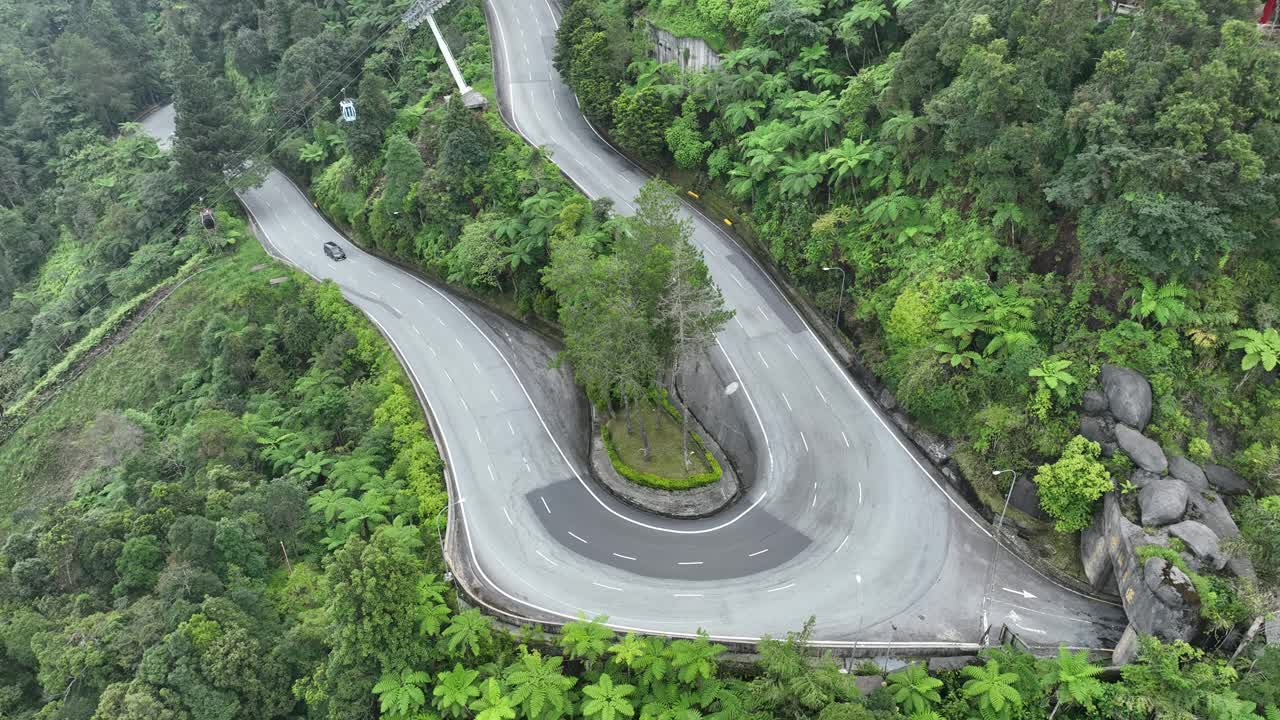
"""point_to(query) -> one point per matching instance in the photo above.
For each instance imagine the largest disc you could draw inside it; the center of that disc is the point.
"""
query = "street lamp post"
(995, 551)
(840, 301)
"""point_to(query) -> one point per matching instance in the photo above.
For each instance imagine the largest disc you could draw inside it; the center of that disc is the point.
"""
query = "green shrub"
(1220, 603)
(1070, 486)
(1198, 450)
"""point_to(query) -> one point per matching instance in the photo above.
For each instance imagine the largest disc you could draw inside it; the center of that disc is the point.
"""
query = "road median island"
(713, 486)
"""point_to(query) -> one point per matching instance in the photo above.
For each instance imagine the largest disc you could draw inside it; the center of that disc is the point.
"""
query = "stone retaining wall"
(691, 54)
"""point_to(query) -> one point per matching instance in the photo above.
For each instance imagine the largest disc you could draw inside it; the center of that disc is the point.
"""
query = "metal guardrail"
(416, 15)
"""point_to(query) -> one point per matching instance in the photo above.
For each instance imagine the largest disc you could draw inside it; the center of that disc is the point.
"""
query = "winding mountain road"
(843, 522)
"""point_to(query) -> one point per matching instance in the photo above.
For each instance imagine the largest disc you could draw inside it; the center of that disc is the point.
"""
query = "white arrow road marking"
(1023, 593)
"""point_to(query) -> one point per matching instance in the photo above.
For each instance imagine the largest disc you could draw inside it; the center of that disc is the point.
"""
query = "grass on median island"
(664, 469)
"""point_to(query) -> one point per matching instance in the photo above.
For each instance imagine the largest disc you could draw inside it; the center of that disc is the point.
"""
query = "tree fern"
(400, 693)
(914, 690)
(539, 686)
(1075, 679)
(992, 690)
(1261, 347)
(1163, 303)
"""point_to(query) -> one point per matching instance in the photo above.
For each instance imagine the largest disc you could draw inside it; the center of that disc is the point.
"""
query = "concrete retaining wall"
(728, 419)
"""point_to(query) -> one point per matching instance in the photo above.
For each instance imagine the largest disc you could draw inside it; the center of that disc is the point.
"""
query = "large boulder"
(1163, 501)
(1163, 602)
(1095, 402)
(1188, 472)
(1144, 451)
(1201, 542)
(1170, 585)
(1212, 512)
(1099, 430)
(1128, 395)
(1142, 478)
(1025, 496)
(1225, 481)
(1094, 553)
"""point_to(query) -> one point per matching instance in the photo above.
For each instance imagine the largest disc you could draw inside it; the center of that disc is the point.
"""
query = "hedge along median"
(654, 480)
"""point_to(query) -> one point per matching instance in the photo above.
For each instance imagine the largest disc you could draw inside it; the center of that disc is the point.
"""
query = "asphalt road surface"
(842, 522)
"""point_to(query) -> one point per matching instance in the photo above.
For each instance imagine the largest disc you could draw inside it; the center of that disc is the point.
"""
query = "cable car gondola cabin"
(348, 107)
(206, 219)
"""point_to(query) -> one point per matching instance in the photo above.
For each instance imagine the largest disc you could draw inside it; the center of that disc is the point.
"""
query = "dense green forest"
(93, 216)
(233, 514)
(250, 535)
(1019, 191)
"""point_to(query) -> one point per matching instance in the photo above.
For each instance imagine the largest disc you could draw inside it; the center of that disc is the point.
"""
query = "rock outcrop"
(1157, 600)
(1188, 472)
(1225, 481)
(1144, 451)
(1179, 504)
(1163, 501)
(1128, 395)
(1201, 542)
